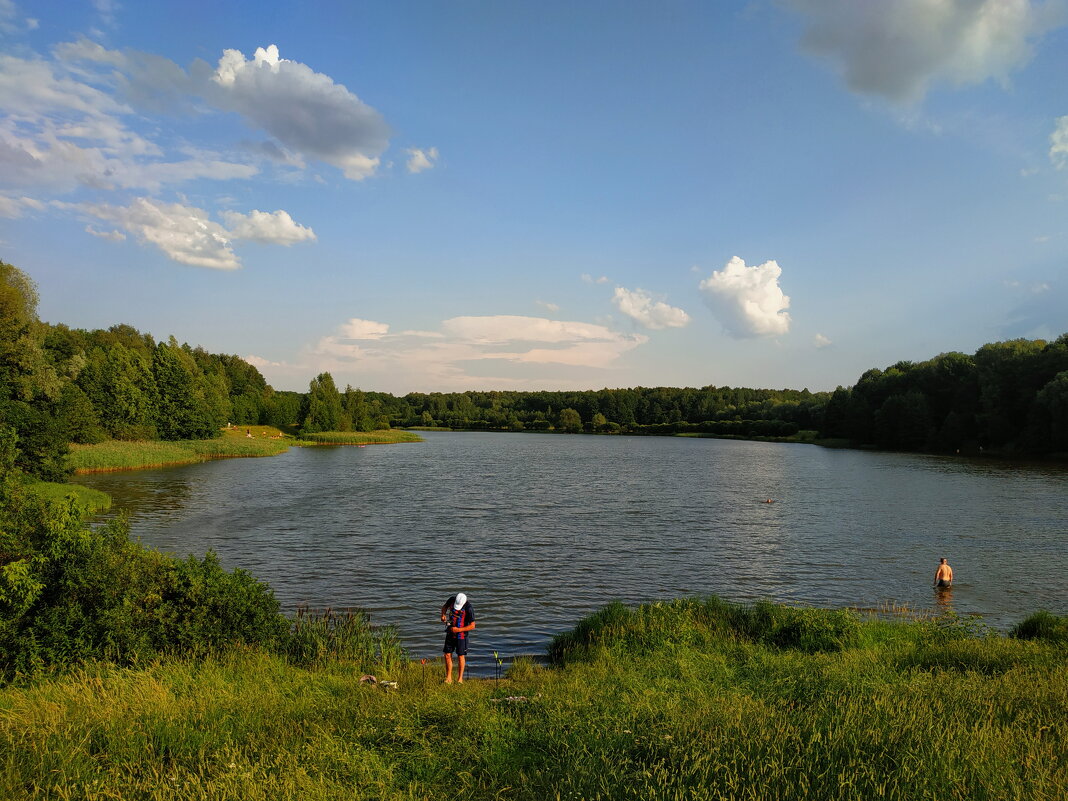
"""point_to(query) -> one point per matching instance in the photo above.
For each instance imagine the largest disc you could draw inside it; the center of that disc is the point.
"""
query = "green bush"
(70, 592)
(1042, 625)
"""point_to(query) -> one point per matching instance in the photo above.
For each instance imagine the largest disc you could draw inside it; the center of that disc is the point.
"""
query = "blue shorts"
(454, 643)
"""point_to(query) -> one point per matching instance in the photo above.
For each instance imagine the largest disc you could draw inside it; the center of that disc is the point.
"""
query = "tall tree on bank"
(324, 409)
(181, 411)
(29, 387)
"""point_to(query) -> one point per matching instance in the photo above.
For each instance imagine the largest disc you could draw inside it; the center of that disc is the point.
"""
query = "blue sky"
(423, 196)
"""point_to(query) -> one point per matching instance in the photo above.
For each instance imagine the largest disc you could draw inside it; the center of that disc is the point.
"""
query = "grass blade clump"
(1042, 625)
(697, 621)
(318, 637)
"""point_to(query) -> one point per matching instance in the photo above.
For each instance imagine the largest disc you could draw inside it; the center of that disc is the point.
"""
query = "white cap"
(461, 599)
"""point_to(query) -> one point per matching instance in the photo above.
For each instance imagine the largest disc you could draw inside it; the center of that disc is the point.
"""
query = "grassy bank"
(243, 441)
(695, 699)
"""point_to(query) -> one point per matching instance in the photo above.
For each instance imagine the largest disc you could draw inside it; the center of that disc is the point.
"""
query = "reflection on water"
(943, 597)
(541, 529)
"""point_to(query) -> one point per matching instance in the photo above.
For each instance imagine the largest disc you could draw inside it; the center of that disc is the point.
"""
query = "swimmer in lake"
(943, 575)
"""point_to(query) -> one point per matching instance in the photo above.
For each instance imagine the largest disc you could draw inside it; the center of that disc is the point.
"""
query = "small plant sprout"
(497, 667)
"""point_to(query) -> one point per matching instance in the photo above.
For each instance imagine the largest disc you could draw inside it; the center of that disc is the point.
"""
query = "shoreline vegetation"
(696, 698)
(237, 442)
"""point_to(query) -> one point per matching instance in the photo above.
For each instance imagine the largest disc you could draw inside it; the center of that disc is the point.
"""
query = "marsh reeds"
(116, 455)
(242, 441)
(384, 437)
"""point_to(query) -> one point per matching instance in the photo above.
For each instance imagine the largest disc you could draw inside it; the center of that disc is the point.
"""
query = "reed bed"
(242, 441)
(115, 455)
(384, 437)
(688, 700)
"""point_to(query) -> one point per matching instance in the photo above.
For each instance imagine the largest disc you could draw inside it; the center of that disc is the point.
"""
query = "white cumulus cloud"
(640, 306)
(748, 300)
(444, 359)
(419, 160)
(304, 110)
(270, 228)
(820, 341)
(899, 48)
(184, 233)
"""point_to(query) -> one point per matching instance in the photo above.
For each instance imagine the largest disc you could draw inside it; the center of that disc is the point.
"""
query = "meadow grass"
(694, 699)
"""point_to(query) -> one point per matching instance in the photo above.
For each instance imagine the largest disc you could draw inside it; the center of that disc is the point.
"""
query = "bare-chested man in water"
(944, 575)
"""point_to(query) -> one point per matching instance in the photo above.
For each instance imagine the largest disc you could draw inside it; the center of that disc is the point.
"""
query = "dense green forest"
(1008, 397)
(60, 385)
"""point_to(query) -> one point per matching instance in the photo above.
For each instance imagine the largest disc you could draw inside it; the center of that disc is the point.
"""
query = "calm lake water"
(541, 529)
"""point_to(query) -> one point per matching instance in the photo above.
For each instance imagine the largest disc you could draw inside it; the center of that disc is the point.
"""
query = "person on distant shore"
(459, 619)
(944, 575)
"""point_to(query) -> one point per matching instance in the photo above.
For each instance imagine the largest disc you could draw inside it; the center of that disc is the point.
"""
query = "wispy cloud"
(820, 341)
(361, 349)
(113, 236)
(12, 20)
(15, 207)
(1058, 144)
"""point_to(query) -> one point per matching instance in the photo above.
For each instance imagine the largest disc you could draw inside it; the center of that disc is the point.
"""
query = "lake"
(541, 529)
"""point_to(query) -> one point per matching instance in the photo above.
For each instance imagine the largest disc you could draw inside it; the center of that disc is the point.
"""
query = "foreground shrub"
(1042, 625)
(70, 592)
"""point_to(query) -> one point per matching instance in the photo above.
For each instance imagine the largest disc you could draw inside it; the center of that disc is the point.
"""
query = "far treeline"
(1009, 397)
(60, 385)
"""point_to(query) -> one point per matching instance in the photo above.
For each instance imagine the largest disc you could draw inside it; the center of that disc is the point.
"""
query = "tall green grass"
(115, 455)
(384, 437)
(123, 455)
(696, 699)
(89, 500)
